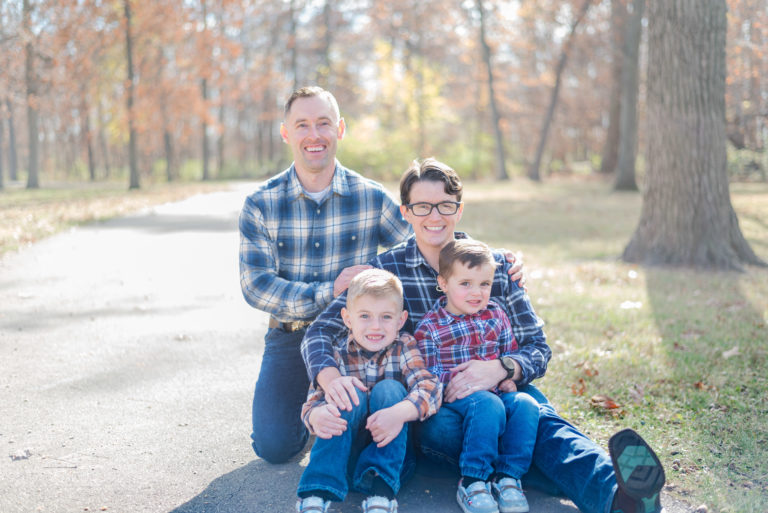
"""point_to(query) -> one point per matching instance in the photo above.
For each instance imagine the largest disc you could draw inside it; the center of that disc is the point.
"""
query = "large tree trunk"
(33, 181)
(501, 165)
(625, 167)
(132, 150)
(687, 218)
(13, 158)
(533, 171)
(611, 147)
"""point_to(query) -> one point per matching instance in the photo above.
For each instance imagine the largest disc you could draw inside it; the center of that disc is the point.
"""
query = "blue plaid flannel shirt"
(420, 293)
(292, 248)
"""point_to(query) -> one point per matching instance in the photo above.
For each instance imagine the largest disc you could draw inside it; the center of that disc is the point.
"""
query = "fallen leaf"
(604, 402)
(580, 388)
(637, 393)
(734, 351)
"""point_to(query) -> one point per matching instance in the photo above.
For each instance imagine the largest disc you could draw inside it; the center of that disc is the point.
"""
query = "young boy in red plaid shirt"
(499, 426)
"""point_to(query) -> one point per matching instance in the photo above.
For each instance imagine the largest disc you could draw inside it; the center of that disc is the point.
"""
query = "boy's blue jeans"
(278, 432)
(564, 460)
(499, 433)
(332, 459)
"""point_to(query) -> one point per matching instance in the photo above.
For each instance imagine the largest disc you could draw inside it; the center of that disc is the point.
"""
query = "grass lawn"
(679, 355)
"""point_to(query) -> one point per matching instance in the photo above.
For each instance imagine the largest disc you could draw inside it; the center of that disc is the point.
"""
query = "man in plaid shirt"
(430, 195)
(303, 235)
(393, 387)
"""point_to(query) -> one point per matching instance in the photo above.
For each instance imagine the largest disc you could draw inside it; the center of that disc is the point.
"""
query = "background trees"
(412, 77)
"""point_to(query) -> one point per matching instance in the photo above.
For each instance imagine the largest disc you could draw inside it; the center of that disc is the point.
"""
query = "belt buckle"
(295, 325)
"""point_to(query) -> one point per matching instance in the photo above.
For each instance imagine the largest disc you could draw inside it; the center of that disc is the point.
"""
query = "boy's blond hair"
(471, 253)
(377, 283)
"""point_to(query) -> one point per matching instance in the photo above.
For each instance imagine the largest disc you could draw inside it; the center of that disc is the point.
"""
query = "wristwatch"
(509, 365)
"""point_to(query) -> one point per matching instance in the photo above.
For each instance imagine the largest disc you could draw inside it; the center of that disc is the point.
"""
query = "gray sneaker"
(312, 505)
(476, 498)
(378, 504)
(509, 494)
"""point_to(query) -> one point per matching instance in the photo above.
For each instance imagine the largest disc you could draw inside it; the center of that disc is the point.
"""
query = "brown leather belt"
(290, 327)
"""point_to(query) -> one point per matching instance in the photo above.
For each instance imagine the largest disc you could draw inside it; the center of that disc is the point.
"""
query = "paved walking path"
(128, 361)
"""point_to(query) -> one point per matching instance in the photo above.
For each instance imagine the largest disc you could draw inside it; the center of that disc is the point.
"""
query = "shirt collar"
(414, 258)
(339, 184)
(445, 317)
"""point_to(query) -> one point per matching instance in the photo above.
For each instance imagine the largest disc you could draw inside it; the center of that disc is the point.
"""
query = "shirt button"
(314, 274)
(317, 244)
(280, 244)
(318, 210)
(354, 237)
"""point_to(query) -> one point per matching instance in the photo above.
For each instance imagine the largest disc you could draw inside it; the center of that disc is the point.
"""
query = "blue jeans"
(278, 432)
(499, 433)
(569, 462)
(331, 459)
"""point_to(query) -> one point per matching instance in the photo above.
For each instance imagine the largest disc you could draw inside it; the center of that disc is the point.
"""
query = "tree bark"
(13, 158)
(611, 146)
(2, 138)
(625, 167)
(501, 165)
(132, 150)
(533, 172)
(687, 218)
(204, 93)
(33, 181)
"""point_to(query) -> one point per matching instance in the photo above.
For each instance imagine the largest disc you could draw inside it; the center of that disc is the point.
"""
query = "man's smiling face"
(313, 129)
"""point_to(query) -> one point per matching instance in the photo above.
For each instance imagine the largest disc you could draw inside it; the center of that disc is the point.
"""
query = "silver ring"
(469, 387)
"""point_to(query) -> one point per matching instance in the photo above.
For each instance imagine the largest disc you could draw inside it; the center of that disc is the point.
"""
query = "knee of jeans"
(386, 393)
(277, 450)
(489, 403)
(522, 403)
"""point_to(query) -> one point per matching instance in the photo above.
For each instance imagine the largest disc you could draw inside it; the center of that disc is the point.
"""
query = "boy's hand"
(341, 390)
(326, 421)
(385, 425)
(508, 385)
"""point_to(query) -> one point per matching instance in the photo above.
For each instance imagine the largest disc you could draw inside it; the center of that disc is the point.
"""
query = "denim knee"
(386, 393)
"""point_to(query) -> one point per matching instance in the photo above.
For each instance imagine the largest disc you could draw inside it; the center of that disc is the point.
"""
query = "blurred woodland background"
(201, 85)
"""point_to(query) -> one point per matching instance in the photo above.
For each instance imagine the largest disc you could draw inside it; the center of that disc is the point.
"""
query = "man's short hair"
(377, 283)
(469, 252)
(431, 170)
(309, 92)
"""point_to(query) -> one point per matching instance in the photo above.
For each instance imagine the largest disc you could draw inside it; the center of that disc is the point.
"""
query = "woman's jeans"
(499, 433)
(332, 459)
(564, 460)
(278, 432)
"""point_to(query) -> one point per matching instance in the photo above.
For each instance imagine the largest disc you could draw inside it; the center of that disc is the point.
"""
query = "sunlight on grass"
(682, 353)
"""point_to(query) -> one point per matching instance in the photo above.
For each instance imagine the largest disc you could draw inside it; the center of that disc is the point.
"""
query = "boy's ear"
(441, 283)
(403, 318)
(345, 317)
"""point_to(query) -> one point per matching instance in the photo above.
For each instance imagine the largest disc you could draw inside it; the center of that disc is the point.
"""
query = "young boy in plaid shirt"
(393, 388)
(499, 426)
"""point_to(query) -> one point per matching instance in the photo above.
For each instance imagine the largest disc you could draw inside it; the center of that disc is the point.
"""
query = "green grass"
(684, 359)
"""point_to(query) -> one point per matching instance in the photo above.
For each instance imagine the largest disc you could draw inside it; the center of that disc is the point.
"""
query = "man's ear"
(403, 317)
(342, 129)
(284, 132)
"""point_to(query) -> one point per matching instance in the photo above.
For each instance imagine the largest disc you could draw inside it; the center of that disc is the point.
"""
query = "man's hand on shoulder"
(345, 276)
(516, 272)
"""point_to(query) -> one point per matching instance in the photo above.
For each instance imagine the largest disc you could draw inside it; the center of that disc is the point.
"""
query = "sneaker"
(509, 495)
(312, 505)
(378, 504)
(639, 474)
(476, 498)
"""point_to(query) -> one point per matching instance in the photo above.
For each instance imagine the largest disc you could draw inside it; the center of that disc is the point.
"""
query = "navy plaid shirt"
(292, 248)
(420, 293)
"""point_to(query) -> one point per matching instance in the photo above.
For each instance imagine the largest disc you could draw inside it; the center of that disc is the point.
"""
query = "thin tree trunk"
(132, 150)
(2, 141)
(88, 136)
(324, 75)
(533, 172)
(292, 44)
(611, 146)
(33, 181)
(501, 165)
(204, 93)
(687, 218)
(13, 155)
(625, 168)
(220, 140)
(103, 139)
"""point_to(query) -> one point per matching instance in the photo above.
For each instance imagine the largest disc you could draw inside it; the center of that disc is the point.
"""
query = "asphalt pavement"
(128, 360)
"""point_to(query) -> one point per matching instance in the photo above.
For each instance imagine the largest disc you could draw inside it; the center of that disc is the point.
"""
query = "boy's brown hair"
(471, 253)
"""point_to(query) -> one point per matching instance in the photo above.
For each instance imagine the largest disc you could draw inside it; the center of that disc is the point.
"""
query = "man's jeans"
(331, 459)
(564, 457)
(278, 432)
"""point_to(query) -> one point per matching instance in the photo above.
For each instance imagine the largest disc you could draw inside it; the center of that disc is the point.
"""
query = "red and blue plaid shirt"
(446, 339)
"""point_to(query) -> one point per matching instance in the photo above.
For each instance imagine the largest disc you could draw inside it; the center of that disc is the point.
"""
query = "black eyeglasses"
(423, 209)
